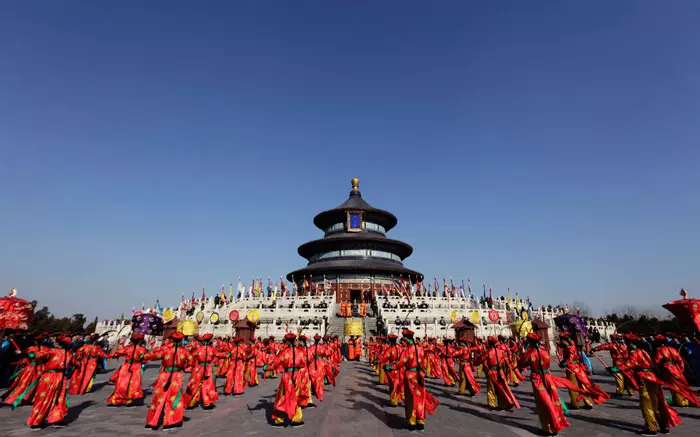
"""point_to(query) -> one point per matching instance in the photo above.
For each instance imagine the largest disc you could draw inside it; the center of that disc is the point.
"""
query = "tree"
(89, 329)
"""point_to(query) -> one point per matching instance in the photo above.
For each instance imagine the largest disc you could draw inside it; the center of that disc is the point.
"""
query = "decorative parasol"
(233, 316)
(147, 324)
(494, 316)
(15, 313)
(188, 327)
(686, 310)
(571, 323)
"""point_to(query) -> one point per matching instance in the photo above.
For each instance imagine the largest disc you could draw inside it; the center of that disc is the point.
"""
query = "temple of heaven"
(354, 256)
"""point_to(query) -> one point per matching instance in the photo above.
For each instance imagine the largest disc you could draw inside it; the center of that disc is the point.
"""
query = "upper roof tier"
(355, 203)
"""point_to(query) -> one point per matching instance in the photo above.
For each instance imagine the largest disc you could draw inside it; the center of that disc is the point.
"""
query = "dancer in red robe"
(467, 383)
(291, 390)
(547, 403)
(25, 380)
(389, 361)
(319, 369)
(625, 383)
(168, 389)
(202, 384)
(253, 360)
(84, 375)
(658, 415)
(235, 376)
(447, 351)
(417, 399)
(672, 368)
(498, 394)
(51, 400)
(127, 378)
(577, 372)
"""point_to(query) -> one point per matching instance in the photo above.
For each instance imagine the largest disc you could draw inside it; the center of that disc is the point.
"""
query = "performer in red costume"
(389, 361)
(84, 375)
(577, 372)
(291, 390)
(167, 392)
(127, 378)
(253, 360)
(672, 367)
(223, 362)
(51, 399)
(417, 399)
(498, 394)
(319, 369)
(235, 377)
(625, 383)
(658, 415)
(467, 383)
(447, 351)
(25, 380)
(202, 384)
(547, 403)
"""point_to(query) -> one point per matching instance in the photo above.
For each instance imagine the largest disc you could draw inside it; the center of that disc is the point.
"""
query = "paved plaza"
(355, 407)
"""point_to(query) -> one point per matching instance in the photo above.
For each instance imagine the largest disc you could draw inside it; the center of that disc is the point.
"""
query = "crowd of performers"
(50, 373)
(643, 364)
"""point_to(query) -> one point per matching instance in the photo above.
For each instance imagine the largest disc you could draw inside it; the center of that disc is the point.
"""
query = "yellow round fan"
(168, 315)
(453, 316)
(214, 317)
(253, 316)
(199, 317)
(476, 317)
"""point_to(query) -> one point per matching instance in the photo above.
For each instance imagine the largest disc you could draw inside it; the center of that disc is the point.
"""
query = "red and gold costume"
(547, 403)
(319, 369)
(417, 399)
(84, 375)
(625, 383)
(51, 400)
(577, 372)
(291, 392)
(168, 389)
(447, 351)
(235, 376)
(389, 362)
(202, 384)
(672, 367)
(253, 361)
(25, 380)
(498, 392)
(127, 378)
(467, 383)
(658, 415)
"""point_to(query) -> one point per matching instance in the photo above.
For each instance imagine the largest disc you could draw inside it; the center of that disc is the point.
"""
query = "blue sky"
(152, 148)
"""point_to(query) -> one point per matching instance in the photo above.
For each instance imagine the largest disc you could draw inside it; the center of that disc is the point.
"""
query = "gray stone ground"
(356, 407)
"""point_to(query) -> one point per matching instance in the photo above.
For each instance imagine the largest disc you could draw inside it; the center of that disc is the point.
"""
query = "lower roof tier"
(354, 266)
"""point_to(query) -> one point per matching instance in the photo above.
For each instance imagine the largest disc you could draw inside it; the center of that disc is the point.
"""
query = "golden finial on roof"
(355, 184)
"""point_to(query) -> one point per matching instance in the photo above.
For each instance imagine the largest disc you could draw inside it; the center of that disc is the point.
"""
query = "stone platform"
(355, 407)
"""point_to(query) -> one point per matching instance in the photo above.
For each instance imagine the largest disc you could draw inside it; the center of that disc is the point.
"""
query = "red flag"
(204, 295)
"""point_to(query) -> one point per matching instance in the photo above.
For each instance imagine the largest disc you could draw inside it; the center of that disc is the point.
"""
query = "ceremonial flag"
(453, 291)
(312, 285)
(274, 293)
(508, 295)
(222, 298)
(283, 287)
(469, 284)
(445, 289)
(484, 290)
(269, 287)
(491, 296)
(260, 288)
(435, 285)
(240, 288)
(517, 303)
(182, 302)
(159, 309)
(192, 302)
(230, 291)
(252, 288)
(306, 284)
(385, 290)
(204, 296)
(295, 290)
(462, 291)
